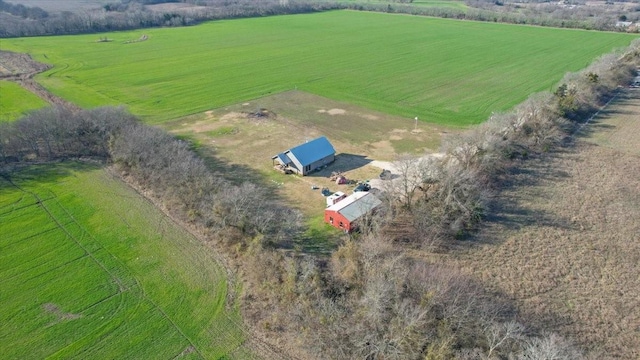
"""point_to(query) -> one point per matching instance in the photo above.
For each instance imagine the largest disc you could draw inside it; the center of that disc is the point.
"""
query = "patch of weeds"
(222, 131)
(570, 305)
(194, 144)
(319, 238)
(408, 146)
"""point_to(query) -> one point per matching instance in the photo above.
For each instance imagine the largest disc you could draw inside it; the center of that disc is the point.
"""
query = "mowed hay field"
(443, 71)
(16, 101)
(90, 269)
(564, 244)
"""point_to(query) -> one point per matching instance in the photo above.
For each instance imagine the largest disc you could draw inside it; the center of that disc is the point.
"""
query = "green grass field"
(16, 101)
(89, 269)
(443, 71)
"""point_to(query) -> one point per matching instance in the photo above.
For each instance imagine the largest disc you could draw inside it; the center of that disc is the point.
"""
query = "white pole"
(416, 123)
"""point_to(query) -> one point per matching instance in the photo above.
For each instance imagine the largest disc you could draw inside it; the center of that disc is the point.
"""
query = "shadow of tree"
(511, 208)
(48, 172)
(344, 162)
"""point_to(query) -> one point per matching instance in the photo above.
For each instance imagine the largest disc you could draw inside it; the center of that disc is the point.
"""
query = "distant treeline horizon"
(17, 20)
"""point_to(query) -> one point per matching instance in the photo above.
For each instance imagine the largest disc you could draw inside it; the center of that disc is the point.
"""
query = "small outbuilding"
(306, 157)
(346, 213)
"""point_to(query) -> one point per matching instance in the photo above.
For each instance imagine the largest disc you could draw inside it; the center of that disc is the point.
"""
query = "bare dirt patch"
(336, 112)
(140, 39)
(369, 116)
(58, 313)
(563, 243)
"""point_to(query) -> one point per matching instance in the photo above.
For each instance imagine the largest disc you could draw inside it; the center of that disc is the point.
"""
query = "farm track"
(122, 288)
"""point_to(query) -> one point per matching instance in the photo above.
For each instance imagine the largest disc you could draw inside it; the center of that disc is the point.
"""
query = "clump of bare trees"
(25, 12)
(552, 14)
(58, 133)
(580, 93)
(371, 301)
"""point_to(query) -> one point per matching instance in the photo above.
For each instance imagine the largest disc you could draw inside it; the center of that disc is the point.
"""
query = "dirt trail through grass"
(21, 68)
(563, 243)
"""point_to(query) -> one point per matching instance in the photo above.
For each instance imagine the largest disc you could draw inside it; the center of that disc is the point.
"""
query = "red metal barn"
(345, 213)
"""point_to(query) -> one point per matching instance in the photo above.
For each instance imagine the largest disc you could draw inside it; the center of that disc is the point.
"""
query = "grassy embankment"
(443, 71)
(16, 101)
(89, 269)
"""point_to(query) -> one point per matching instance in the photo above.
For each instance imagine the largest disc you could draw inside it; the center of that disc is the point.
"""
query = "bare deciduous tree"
(501, 336)
(549, 347)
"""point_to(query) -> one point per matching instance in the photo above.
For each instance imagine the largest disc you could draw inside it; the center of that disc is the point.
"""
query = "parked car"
(362, 187)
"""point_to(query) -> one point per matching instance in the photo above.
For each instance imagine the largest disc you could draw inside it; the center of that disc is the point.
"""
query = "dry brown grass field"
(564, 243)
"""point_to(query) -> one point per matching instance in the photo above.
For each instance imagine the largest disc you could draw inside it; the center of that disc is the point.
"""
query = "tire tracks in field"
(144, 295)
(121, 286)
(61, 226)
(253, 341)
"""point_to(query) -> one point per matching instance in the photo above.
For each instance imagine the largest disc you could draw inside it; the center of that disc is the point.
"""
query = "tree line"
(26, 12)
(552, 15)
(445, 197)
(128, 15)
(369, 298)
